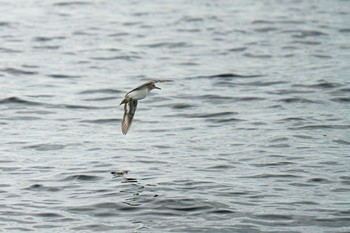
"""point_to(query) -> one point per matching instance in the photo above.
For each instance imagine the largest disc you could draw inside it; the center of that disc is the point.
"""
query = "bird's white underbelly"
(138, 94)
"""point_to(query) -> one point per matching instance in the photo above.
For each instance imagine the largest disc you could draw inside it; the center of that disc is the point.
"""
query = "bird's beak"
(157, 88)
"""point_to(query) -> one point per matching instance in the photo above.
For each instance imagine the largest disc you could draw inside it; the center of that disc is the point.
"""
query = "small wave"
(169, 45)
(305, 33)
(239, 49)
(72, 3)
(82, 177)
(266, 176)
(274, 217)
(48, 215)
(342, 142)
(305, 42)
(16, 71)
(316, 127)
(227, 120)
(40, 187)
(50, 47)
(205, 115)
(181, 106)
(319, 180)
(7, 50)
(299, 100)
(226, 76)
(126, 58)
(45, 39)
(260, 56)
(46, 147)
(104, 91)
(17, 100)
(101, 121)
(341, 99)
(5, 24)
(322, 85)
(63, 76)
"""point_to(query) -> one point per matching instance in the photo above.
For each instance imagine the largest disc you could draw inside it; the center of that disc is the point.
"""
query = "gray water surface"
(253, 135)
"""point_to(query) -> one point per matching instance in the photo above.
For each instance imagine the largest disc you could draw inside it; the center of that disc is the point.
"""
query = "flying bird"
(130, 101)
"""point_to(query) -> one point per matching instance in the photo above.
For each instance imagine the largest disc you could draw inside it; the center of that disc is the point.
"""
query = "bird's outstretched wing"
(129, 112)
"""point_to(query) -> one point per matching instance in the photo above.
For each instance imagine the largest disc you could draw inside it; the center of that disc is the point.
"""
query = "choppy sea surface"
(252, 136)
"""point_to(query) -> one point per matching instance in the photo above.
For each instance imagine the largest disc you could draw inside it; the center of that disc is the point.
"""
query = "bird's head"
(152, 86)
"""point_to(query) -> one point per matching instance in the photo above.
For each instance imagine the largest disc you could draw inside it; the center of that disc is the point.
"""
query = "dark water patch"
(289, 91)
(301, 34)
(274, 217)
(181, 106)
(262, 83)
(190, 19)
(302, 203)
(72, 3)
(119, 34)
(63, 76)
(109, 208)
(319, 180)
(169, 45)
(184, 206)
(47, 47)
(70, 106)
(239, 49)
(103, 91)
(322, 56)
(8, 169)
(266, 29)
(125, 58)
(18, 229)
(260, 56)
(39, 112)
(342, 142)
(267, 176)
(5, 24)
(17, 100)
(46, 39)
(321, 85)
(226, 120)
(48, 215)
(16, 71)
(188, 64)
(7, 50)
(344, 30)
(40, 187)
(262, 22)
(306, 42)
(99, 228)
(82, 177)
(341, 99)
(46, 147)
(276, 164)
(22, 118)
(221, 211)
(224, 76)
(102, 121)
(218, 167)
(318, 127)
(299, 100)
(293, 119)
